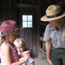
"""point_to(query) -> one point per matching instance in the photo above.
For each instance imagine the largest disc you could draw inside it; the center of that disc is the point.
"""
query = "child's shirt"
(30, 60)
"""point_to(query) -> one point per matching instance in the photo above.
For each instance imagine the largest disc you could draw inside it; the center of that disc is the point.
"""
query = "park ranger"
(54, 35)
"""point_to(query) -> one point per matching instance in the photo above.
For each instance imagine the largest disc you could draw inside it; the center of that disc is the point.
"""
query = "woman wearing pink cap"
(8, 33)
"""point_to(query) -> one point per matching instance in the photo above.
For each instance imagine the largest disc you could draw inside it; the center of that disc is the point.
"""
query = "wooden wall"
(31, 35)
(7, 10)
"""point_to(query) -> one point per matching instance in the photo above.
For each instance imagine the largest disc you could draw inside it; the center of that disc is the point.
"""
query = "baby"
(21, 48)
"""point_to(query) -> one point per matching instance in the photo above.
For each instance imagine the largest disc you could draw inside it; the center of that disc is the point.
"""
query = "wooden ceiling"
(43, 3)
(48, 2)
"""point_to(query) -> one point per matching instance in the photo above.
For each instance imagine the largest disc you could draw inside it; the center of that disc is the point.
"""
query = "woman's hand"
(49, 62)
(25, 53)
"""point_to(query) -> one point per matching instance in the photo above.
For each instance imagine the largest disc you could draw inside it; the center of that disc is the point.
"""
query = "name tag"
(51, 36)
(63, 33)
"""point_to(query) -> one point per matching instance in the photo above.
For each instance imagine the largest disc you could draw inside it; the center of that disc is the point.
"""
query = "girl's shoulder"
(4, 46)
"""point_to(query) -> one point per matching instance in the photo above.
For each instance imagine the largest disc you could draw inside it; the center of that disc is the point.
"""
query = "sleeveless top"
(14, 55)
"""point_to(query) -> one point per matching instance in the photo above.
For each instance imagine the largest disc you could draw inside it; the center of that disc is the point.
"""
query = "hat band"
(55, 15)
(7, 32)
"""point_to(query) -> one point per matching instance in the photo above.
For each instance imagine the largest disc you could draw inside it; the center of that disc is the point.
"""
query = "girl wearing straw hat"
(55, 35)
(8, 33)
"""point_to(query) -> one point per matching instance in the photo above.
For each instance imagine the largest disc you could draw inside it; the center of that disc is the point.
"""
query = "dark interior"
(14, 9)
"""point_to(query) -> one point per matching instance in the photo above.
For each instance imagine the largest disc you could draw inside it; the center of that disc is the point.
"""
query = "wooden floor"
(41, 60)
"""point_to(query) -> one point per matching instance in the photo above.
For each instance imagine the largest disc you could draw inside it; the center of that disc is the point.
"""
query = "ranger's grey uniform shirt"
(57, 37)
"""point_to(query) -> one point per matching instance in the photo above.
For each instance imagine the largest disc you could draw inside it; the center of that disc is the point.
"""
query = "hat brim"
(45, 19)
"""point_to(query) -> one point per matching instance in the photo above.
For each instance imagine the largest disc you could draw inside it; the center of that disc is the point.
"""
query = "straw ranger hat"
(53, 12)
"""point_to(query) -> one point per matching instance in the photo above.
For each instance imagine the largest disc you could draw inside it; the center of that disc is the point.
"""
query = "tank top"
(14, 55)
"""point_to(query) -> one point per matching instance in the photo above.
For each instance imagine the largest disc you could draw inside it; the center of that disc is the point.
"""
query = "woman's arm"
(48, 51)
(5, 51)
(22, 61)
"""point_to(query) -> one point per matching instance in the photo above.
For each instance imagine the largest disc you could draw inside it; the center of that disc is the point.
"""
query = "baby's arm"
(31, 61)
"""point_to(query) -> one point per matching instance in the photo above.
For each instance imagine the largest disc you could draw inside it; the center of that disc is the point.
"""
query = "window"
(27, 21)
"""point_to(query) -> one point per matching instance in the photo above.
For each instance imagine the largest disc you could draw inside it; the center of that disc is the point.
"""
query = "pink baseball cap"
(7, 27)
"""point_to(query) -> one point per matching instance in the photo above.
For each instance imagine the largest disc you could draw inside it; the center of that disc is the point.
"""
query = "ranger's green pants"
(58, 56)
